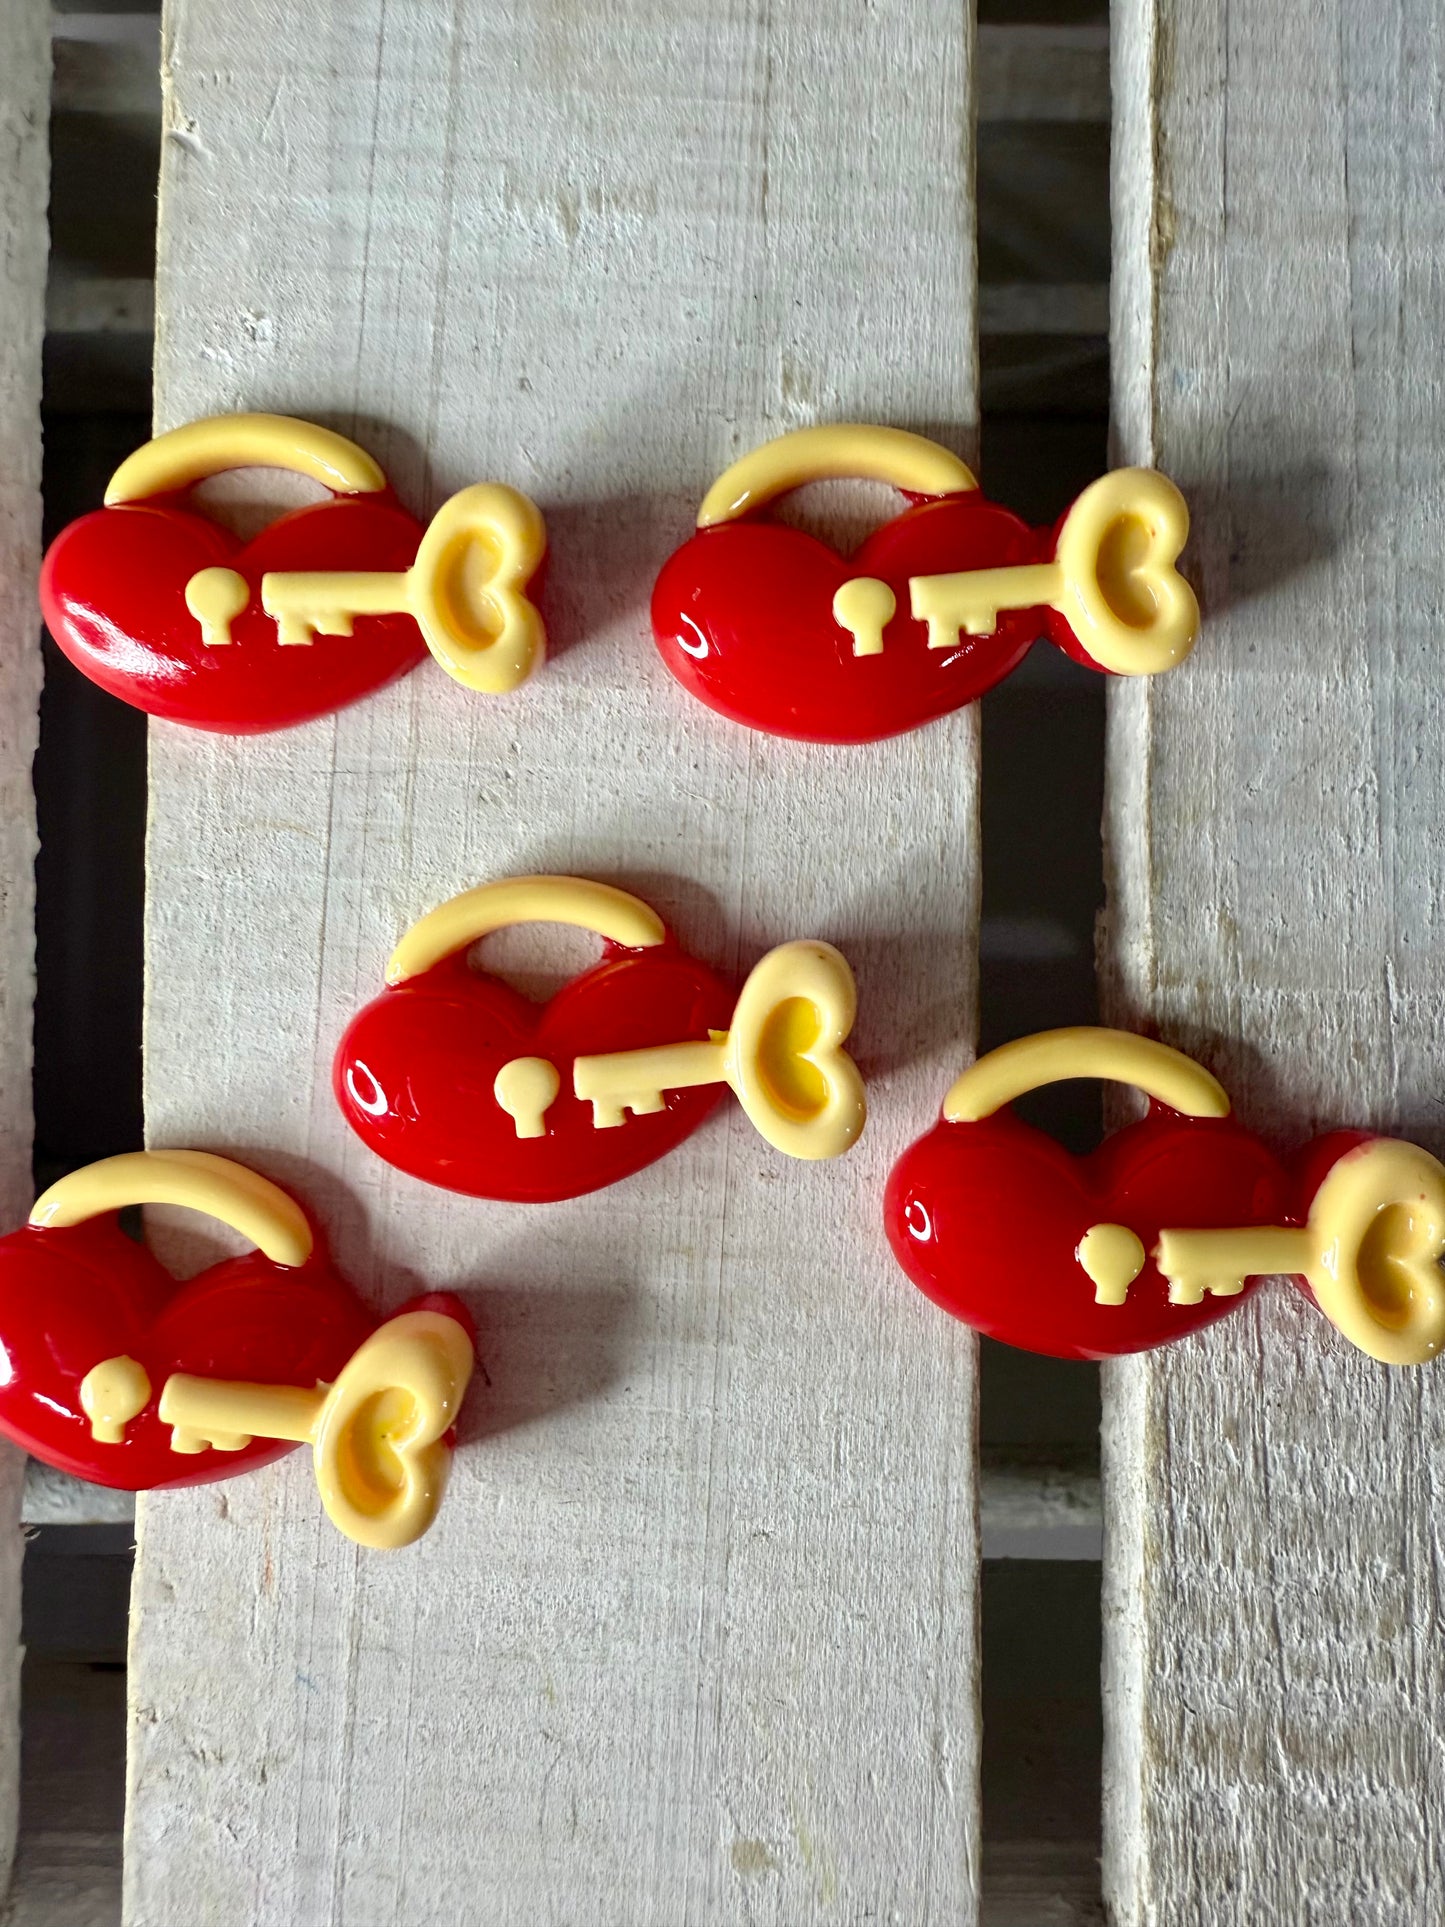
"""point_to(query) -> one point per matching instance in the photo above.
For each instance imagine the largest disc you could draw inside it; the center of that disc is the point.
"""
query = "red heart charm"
(75, 1295)
(988, 1217)
(416, 1071)
(743, 617)
(776, 630)
(113, 593)
(997, 1223)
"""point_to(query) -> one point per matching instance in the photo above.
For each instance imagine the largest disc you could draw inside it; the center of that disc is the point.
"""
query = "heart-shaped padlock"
(1169, 1224)
(453, 1076)
(999, 1225)
(173, 614)
(78, 1298)
(119, 1374)
(775, 629)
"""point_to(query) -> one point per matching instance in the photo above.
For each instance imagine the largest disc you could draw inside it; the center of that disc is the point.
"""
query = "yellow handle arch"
(834, 452)
(463, 920)
(187, 455)
(198, 1180)
(1084, 1050)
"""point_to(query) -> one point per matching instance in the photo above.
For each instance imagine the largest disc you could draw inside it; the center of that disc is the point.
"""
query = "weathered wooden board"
(1275, 1671)
(695, 1636)
(24, 174)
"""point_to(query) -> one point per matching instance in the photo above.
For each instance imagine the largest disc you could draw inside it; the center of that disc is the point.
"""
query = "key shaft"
(1220, 1261)
(228, 1413)
(323, 602)
(638, 1080)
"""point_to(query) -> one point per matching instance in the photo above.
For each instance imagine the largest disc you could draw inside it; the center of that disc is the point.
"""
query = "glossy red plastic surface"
(414, 1073)
(73, 1296)
(986, 1218)
(113, 593)
(743, 616)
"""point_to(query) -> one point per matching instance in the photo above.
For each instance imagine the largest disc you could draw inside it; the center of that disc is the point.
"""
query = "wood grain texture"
(1274, 1664)
(1038, 1510)
(24, 176)
(53, 1498)
(695, 1637)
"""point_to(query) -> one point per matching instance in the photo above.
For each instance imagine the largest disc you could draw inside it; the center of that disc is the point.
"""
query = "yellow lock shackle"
(1084, 1050)
(465, 919)
(198, 1180)
(837, 451)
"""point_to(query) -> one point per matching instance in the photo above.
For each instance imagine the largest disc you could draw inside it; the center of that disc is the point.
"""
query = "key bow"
(378, 1434)
(782, 1056)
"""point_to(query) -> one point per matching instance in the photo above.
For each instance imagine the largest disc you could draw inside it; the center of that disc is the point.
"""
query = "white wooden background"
(24, 172)
(695, 1637)
(1275, 1667)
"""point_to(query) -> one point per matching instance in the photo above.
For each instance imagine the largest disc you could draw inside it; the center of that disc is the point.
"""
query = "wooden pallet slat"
(696, 1634)
(24, 177)
(1274, 1671)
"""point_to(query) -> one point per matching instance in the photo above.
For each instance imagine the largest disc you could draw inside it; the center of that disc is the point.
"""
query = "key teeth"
(295, 632)
(1188, 1290)
(192, 1438)
(609, 1112)
(331, 622)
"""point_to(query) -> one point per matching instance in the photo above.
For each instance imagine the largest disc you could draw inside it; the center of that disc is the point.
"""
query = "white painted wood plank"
(1275, 1672)
(1026, 1510)
(53, 1498)
(24, 176)
(125, 304)
(695, 1637)
(105, 63)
